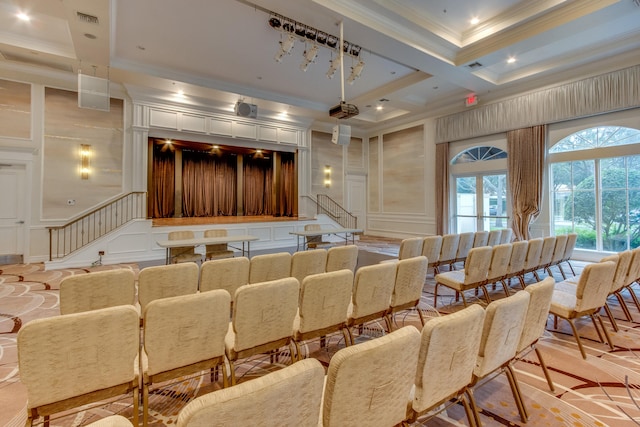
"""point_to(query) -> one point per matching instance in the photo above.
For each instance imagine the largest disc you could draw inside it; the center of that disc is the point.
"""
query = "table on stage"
(198, 241)
(343, 233)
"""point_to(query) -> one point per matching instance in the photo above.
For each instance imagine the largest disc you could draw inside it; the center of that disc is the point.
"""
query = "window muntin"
(477, 154)
(597, 137)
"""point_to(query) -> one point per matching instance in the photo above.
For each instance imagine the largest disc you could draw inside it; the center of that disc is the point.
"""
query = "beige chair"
(473, 276)
(464, 245)
(495, 236)
(228, 274)
(499, 266)
(448, 251)
(588, 297)
(407, 288)
(164, 281)
(410, 247)
(323, 307)
(291, 397)
(342, 257)
(76, 359)
(532, 260)
(371, 295)
(622, 269)
(183, 335)
(633, 274)
(516, 263)
(101, 289)
(267, 267)
(369, 384)
(315, 242)
(447, 357)
(481, 238)
(183, 253)
(503, 324)
(112, 421)
(546, 253)
(572, 238)
(558, 253)
(262, 320)
(506, 236)
(306, 263)
(535, 322)
(218, 250)
(431, 248)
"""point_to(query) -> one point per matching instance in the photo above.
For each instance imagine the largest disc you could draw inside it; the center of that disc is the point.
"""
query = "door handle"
(19, 222)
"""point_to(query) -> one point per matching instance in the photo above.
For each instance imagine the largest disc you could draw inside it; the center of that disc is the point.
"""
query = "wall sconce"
(327, 176)
(85, 155)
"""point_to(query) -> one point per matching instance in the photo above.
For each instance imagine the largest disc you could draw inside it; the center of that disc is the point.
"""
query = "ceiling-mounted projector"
(246, 110)
(344, 111)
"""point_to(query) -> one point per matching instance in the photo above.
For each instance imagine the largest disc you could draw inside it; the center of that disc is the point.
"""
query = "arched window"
(597, 195)
(477, 154)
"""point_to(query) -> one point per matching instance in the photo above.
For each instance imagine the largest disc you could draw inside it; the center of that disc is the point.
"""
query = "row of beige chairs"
(190, 333)
(117, 287)
(499, 264)
(401, 377)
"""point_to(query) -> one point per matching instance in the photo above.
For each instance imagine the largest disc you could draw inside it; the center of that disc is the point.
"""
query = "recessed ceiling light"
(379, 107)
(511, 60)
(23, 16)
(474, 20)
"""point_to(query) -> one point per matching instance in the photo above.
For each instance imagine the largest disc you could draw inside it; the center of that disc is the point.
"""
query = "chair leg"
(564, 276)
(233, 373)
(544, 369)
(595, 325)
(145, 405)
(614, 324)
(571, 267)
(345, 334)
(577, 337)
(468, 412)
(505, 287)
(420, 315)
(136, 406)
(606, 333)
(623, 305)
(485, 292)
(46, 421)
(292, 349)
(435, 296)
(634, 297)
(535, 273)
(298, 352)
(515, 390)
(474, 406)
(464, 299)
(225, 379)
(521, 280)
(388, 321)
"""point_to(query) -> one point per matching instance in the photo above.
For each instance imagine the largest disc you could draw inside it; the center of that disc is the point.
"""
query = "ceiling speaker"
(93, 92)
(246, 110)
(341, 134)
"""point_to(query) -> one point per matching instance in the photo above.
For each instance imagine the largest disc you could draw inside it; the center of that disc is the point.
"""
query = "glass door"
(480, 202)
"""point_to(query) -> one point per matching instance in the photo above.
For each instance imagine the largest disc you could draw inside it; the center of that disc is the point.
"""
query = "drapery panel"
(258, 182)
(442, 188)
(286, 192)
(208, 185)
(163, 183)
(526, 162)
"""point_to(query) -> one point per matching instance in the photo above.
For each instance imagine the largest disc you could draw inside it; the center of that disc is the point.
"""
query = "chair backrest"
(410, 276)
(216, 232)
(501, 332)
(477, 264)
(182, 253)
(622, 269)
(306, 263)
(228, 274)
(481, 238)
(66, 356)
(163, 281)
(594, 285)
(218, 249)
(572, 238)
(410, 247)
(518, 257)
(533, 253)
(634, 267)
(431, 247)
(535, 322)
(324, 301)
(342, 257)
(448, 351)
(449, 248)
(548, 245)
(506, 235)
(499, 265)
(313, 241)
(559, 248)
(369, 384)
(290, 396)
(372, 289)
(494, 237)
(264, 312)
(101, 289)
(267, 267)
(465, 244)
(183, 330)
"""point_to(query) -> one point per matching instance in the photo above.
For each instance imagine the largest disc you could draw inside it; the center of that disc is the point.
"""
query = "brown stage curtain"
(286, 192)
(208, 185)
(258, 181)
(163, 183)
(442, 188)
(526, 159)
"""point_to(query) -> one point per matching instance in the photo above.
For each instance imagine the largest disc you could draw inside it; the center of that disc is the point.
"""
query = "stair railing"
(326, 205)
(68, 238)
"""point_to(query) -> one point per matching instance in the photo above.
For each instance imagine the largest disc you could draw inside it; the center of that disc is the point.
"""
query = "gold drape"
(442, 188)
(208, 185)
(163, 183)
(258, 182)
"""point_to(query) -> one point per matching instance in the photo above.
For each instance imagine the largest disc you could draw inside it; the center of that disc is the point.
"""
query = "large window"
(597, 195)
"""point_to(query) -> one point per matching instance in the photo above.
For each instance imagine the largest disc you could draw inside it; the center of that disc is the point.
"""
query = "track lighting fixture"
(356, 70)
(309, 57)
(285, 47)
(334, 65)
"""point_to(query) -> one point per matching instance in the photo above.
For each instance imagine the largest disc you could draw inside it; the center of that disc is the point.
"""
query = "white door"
(357, 198)
(12, 198)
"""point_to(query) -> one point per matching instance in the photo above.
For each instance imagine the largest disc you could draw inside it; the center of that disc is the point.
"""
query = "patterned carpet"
(602, 390)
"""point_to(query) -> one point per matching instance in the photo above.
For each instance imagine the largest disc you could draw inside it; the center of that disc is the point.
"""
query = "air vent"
(474, 65)
(86, 18)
